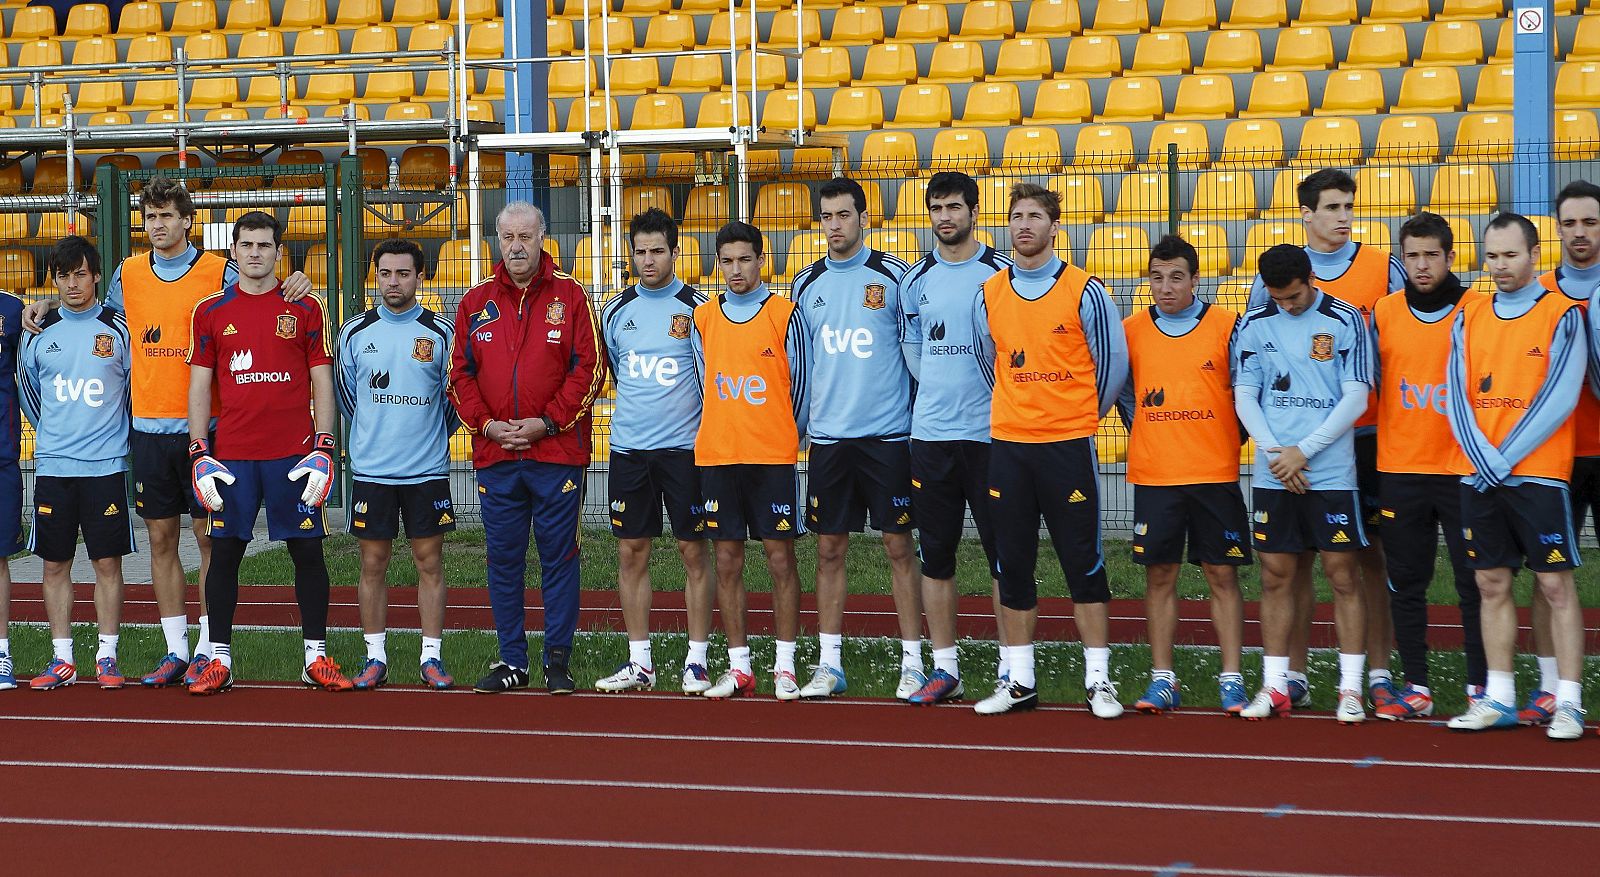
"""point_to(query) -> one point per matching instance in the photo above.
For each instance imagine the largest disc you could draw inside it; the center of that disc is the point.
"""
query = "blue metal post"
(1533, 46)
(524, 109)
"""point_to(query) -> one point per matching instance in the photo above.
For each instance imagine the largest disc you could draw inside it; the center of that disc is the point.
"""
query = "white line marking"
(1362, 762)
(803, 791)
(597, 843)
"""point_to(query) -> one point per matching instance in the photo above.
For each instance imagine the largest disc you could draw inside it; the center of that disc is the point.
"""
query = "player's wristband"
(323, 442)
(199, 448)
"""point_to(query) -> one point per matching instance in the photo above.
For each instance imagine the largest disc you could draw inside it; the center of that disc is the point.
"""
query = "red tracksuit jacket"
(531, 352)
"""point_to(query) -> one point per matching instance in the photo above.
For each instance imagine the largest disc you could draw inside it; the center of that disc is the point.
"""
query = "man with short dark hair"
(1183, 463)
(394, 364)
(646, 329)
(1302, 379)
(1419, 495)
(949, 417)
(1516, 368)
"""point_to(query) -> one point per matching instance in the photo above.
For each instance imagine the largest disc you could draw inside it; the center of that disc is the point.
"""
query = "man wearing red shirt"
(268, 357)
(524, 371)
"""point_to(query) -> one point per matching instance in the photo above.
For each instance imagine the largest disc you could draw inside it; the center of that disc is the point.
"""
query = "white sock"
(945, 659)
(315, 648)
(222, 652)
(1002, 668)
(1569, 693)
(62, 649)
(785, 660)
(5, 645)
(1376, 676)
(911, 655)
(432, 646)
(377, 647)
(1275, 673)
(176, 629)
(697, 654)
(739, 659)
(1096, 666)
(202, 646)
(1022, 666)
(1231, 677)
(1502, 687)
(832, 644)
(1164, 676)
(107, 647)
(1549, 676)
(639, 654)
(1296, 676)
(1350, 667)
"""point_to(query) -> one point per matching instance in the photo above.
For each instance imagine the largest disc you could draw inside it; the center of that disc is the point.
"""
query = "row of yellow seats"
(200, 16)
(863, 23)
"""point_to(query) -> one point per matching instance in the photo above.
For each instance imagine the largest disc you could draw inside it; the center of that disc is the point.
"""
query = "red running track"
(404, 781)
(865, 614)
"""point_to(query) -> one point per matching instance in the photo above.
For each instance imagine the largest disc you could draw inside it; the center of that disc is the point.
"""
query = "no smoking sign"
(1530, 20)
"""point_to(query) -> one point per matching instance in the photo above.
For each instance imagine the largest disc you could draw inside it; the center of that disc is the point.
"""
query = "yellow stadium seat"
(1576, 84)
(889, 153)
(1256, 14)
(33, 23)
(1031, 150)
(1092, 57)
(1023, 58)
(117, 118)
(152, 93)
(1203, 97)
(99, 97)
(782, 110)
(293, 112)
(476, 10)
(1329, 142)
(1549, 243)
(454, 264)
(616, 36)
(1210, 242)
(717, 36)
(40, 53)
(1484, 137)
(1263, 236)
(690, 264)
(1115, 17)
(634, 75)
(804, 249)
(1453, 43)
(857, 26)
(1142, 198)
(304, 14)
(1466, 244)
(771, 72)
(408, 111)
(1235, 296)
(1577, 135)
(88, 20)
(1192, 141)
(154, 49)
(1223, 195)
(658, 111)
(1463, 188)
(1494, 88)
(316, 41)
(1326, 12)
(1585, 42)
(1352, 93)
(898, 243)
(987, 19)
(374, 39)
(1231, 51)
(567, 78)
(1082, 199)
(671, 32)
(358, 13)
(889, 64)
(94, 52)
(1103, 148)
(381, 87)
(919, 23)
(955, 61)
(52, 100)
(783, 205)
(707, 208)
(1429, 90)
(994, 103)
(205, 46)
(1406, 140)
(1468, 9)
(16, 269)
(910, 205)
(1061, 101)
(50, 175)
(428, 37)
(1178, 16)
(716, 111)
(1371, 233)
(1161, 54)
(1385, 191)
(245, 16)
(1117, 252)
(261, 44)
(1397, 11)
(694, 74)
(1377, 46)
(329, 88)
(1252, 143)
(1133, 99)
(1053, 18)
(638, 199)
(854, 109)
(139, 18)
(958, 150)
(923, 106)
(1303, 48)
(595, 114)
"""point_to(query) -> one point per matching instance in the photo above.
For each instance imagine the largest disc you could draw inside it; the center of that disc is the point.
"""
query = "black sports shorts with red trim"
(639, 484)
(751, 501)
(1317, 520)
(1509, 525)
(846, 479)
(1210, 517)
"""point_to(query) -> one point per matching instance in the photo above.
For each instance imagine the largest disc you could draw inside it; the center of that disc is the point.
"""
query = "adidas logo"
(1555, 556)
(112, 510)
(817, 303)
(1339, 538)
(905, 518)
(922, 299)
(783, 526)
(307, 525)
(1535, 351)
(569, 486)
(1060, 329)
(1208, 367)
(1233, 551)
(370, 348)
(629, 326)
(53, 348)
(768, 352)
(446, 519)
(1077, 496)
(1268, 348)
(230, 330)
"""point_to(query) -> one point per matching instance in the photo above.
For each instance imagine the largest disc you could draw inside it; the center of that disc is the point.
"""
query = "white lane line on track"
(804, 791)
(606, 843)
(1364, 762)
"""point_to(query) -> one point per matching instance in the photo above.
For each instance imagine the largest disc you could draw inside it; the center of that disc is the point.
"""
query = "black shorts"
(850, 477)
(1210, 516)
(11, 541)
(1059, 481)
(376, 509)
(1368, 481)
(97, 505)
(1529, 523)
(947, 478)
(1585, 491)
(1318, 520)
(162, 481)
(751, 501)
(641, 481)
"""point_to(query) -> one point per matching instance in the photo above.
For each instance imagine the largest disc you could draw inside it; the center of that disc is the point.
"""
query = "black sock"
(222, 586)
(310, 586)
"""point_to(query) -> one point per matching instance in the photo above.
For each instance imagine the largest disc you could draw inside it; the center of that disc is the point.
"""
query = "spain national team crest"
(873, 297)
(1322, 347)
(103, 347)
(422, 349)
(288, 324)
(555, 313)
(680, 326)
